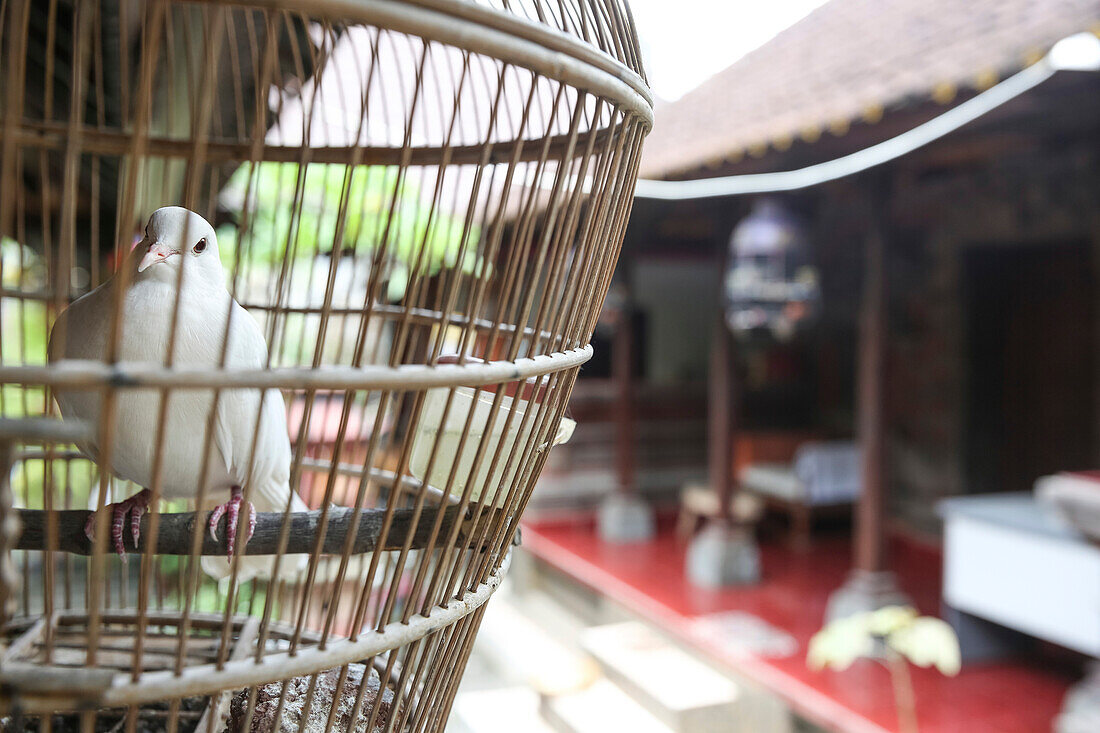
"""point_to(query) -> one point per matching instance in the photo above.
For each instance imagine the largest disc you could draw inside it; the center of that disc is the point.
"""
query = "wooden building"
(990, 241)
(958, 339)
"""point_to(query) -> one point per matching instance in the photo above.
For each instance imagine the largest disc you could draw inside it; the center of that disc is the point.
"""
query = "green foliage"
(24, 335)
(382, 212)
(68, 479)
(19, 401)
(24, 327)
(923, 640)
(211, 596)
(24, 322)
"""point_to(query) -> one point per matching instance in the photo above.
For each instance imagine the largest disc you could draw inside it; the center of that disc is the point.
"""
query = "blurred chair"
(793, 473)
(822, 477)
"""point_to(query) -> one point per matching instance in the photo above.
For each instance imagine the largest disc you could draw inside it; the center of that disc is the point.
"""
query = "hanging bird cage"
(420, 204)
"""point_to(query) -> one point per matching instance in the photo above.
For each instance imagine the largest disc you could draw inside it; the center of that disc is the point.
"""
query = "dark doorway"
(1031, 329)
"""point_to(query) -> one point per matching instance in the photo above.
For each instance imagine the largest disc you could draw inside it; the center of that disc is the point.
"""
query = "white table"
(1011, 560)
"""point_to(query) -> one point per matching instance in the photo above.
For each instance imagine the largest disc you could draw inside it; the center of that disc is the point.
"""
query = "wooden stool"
(698, 501)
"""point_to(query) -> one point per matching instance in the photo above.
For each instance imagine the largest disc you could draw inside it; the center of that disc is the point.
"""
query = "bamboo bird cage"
(421, 203)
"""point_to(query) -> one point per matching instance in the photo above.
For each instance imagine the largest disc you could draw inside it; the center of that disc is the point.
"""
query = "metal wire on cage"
(419, 206)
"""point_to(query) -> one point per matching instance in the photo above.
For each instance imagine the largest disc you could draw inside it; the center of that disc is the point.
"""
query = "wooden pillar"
(622, 372)
(870, 585)
(721, 417)
(870, 553)
(623, 515)
(1096, 332)
(724, 553)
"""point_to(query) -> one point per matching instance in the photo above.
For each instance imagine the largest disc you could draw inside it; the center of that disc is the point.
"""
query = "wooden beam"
(28, 638)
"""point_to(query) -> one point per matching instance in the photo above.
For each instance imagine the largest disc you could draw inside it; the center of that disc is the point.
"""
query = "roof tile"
(849, 56)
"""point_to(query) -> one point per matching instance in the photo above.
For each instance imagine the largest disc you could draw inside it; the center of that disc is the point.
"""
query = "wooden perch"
(174, 534)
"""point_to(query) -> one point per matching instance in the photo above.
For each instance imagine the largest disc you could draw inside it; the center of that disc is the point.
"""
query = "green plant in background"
(210, 595)
(24, 326)
(895, 635)
(71, 481)
(415, 234)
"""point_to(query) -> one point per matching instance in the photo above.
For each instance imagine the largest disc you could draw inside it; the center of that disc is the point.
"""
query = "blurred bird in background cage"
(176, 311)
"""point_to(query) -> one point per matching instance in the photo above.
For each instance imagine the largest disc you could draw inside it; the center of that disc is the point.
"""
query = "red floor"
(648, 579)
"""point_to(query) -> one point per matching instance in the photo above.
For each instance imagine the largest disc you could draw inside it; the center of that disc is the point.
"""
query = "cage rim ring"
(119, 689)
(497, 34)
(84, 374)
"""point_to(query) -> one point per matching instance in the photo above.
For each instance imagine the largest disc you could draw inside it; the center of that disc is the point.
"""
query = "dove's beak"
(157, 252)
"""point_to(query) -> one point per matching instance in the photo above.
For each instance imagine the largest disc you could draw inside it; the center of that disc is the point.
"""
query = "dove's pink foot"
(135, 506)
(232, 510)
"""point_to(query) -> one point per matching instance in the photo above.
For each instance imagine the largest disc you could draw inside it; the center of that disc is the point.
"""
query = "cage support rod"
(174, 536)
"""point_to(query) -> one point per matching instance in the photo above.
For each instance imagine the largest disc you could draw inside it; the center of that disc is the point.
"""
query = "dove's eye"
(200, 246)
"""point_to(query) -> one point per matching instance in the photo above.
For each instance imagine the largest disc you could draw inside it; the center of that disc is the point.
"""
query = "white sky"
(684, 42)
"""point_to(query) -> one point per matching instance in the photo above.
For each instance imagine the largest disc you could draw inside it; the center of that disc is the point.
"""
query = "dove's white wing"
(77, 334)
(236, 432)
(235, 424)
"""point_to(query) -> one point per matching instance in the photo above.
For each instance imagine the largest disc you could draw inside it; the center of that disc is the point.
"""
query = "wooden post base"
(865, 591)
(723, 555)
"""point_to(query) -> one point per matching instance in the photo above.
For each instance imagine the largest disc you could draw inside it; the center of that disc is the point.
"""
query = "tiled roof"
(851, 60)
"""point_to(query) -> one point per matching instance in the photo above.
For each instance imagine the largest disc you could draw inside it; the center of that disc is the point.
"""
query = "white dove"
(177, 238)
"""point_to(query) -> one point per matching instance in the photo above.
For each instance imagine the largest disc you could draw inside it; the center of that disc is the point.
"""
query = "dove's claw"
(89, 528)
(215, 517)
(135, 506)
(232, 512)
(135, 520)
